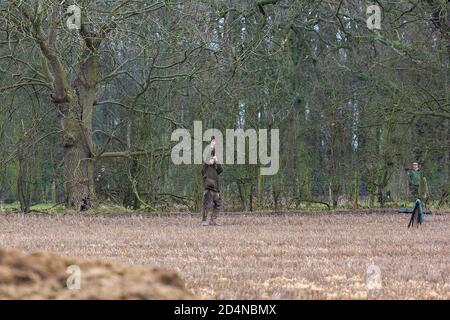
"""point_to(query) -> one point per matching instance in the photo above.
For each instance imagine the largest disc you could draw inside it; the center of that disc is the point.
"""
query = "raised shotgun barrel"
(213, 147)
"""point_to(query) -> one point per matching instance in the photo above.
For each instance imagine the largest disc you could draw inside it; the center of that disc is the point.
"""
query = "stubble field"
(291, 256)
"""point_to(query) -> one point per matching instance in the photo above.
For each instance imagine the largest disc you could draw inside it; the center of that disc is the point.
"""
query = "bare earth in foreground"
(43, 275)
(292, 256)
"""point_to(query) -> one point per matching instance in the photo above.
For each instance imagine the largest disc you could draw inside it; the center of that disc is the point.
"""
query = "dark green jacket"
(210, 174)
(417, 184)
(414, 177)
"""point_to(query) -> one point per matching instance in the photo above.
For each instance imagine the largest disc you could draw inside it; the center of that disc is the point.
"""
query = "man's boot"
(214, 217)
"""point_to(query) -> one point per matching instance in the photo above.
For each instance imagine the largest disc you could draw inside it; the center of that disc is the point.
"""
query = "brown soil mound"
(44, 276)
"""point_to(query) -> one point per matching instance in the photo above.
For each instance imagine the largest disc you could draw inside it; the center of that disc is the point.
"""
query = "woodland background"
(354, 107)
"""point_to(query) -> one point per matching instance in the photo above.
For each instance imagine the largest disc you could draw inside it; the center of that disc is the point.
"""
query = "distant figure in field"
(418, 189)
(210, 173)
(102, 182)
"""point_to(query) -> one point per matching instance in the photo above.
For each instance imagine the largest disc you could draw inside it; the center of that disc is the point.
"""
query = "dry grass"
(301, 256)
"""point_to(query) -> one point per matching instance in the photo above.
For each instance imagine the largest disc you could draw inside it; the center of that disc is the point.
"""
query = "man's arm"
(219, 168)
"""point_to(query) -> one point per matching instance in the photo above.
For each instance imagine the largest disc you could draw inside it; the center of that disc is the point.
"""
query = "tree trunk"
(78, 162)
(78, 169)
(261, 186)
(23, 183)
(357, 186)
(251, 198)
(241, 190)
(130, 199)
(334, 192)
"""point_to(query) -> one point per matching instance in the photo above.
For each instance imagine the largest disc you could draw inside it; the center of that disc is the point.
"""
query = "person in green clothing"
(417, 182)
(419, 190)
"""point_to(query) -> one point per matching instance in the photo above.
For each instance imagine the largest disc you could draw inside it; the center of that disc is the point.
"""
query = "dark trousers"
(209, 197)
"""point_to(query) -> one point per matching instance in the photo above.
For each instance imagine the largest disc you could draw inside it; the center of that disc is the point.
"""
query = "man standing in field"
(102, 182)
(418, 189)
(210, 173)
